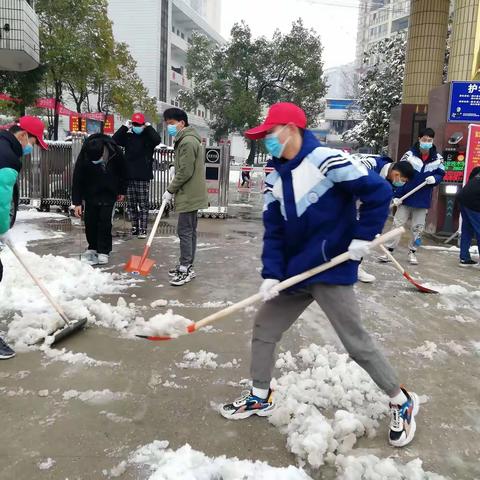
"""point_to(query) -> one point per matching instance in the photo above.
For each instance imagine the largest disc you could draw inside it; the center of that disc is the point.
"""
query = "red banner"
(472, 159)
(109, 126)
(45, 103)
(8, 98)
(7, 126)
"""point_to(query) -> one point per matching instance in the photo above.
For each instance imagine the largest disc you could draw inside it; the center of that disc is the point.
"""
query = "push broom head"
(73, 327)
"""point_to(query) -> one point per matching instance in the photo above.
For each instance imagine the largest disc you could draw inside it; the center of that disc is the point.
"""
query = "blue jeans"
(470, 228)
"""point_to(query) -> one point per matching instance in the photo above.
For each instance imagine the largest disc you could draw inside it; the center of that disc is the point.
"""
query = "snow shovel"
(143, 265)
(71, 326)
(419, 287)
(289, 282)
(411, 192)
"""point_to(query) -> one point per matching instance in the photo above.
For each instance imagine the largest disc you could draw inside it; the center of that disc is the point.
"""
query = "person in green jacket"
(189, 188)
(14, 144)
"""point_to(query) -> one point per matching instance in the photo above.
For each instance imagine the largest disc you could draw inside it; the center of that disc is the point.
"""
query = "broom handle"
(411, 192)
(392, 259)
(295, 279)
(155, 225)
(39, 284)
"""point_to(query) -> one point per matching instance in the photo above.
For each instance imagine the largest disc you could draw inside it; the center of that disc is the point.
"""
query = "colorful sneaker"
(248, 405)
(467, 263)
(184, 275)
(142, 233)
(364, 276)
(5, 351)
(402, 420)
(412, 258)
(90, 257)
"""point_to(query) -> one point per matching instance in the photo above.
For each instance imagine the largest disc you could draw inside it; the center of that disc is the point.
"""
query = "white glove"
(167, 196)
(128, 124)
(430, 180)
(266, 289)
(397, 202)
(358, 249)
(147, 124)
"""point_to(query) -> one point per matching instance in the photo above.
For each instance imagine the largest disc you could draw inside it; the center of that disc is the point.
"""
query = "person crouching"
(99, 180)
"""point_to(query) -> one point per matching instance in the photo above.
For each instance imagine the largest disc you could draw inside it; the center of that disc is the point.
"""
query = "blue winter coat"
(310, 212)
(433, 166)
(378, 164)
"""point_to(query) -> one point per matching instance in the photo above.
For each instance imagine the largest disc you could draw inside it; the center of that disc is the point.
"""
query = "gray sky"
(334, 20)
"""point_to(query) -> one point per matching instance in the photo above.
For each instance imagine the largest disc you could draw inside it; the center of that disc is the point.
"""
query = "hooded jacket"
(310, 212)
(11, 152)
(189, 185)
(469, 195)
(432, 166)
(100, 183)
(138, 151)
(378, 164)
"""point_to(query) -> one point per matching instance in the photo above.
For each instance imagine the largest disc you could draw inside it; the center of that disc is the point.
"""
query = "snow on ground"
(46, 464)
(34, 214)
(325, 402)
(189, 464)
(72, 358)
(201, 359)
(163, 324)
(94, 397)
(71, 282)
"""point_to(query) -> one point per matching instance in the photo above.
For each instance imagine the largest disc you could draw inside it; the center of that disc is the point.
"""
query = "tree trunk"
(58, 98)
(253, 152)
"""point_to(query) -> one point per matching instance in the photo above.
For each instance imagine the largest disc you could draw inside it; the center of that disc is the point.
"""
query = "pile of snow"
(159, 303)
(70, 282)
(72, 358)
(426, 350)
(33, 214)
(46, 464)
(201, 359)
(95, 397)
(187, 463)
(163, 324)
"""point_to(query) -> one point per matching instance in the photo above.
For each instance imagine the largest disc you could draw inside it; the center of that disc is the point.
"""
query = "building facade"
(19, 36)
(158, 33)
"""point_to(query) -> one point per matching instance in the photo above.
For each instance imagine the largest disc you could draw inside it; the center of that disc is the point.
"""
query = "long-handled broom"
(71, 326)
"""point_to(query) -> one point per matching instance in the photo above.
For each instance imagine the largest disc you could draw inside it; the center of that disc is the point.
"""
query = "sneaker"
(173, 271)
(90, 257)
(467, 263)
(248, 405)
(412, 258)
(142, 233)
(102, 259)
(5, 351)
(402, 420)
(385, 258)
(134, 231)
(364, 276)
(183, 276)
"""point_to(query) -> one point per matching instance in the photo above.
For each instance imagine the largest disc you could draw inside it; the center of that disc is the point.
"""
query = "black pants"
(98, 227)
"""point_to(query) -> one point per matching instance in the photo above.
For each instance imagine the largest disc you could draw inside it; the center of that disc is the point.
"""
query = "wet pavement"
(158, 400)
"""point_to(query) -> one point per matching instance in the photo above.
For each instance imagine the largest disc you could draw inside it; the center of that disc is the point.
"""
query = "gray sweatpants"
(401, 217)
(187, 233)
(340, 305)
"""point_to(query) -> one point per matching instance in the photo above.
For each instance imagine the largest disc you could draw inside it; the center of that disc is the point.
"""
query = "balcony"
(180, 79)
(19, 42)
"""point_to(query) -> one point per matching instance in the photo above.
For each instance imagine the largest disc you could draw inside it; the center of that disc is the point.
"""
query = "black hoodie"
(469, 195)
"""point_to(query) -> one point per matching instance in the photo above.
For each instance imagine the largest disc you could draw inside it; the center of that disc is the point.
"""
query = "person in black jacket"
(99, 179)
(139, 140)
(469, 199)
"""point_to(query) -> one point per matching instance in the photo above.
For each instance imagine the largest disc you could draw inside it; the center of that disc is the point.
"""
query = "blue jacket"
(310, 212)
(378, 164)
(433, 166)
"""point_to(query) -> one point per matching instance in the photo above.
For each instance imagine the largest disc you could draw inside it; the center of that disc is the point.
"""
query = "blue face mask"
(27, 149)
(273, 145)
(398, 184)
(137, 130)
(172, 130)
(426, 145)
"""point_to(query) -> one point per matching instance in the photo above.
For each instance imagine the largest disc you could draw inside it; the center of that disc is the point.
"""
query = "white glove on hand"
(430, 180)
(266, 289)
(128, 124)
(397, 202)
(147, 124)
(167, 196)
(358, 249)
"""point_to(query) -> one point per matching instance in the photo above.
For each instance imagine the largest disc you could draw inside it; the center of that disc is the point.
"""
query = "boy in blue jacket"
(310, 216)
(428, 165)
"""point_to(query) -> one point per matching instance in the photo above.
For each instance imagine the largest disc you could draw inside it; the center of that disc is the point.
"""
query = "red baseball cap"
(34, 126)
(279, 114)
(138, 118)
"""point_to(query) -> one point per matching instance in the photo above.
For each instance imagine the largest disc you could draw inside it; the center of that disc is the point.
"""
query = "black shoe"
(142, 233)
(173, 271)
(134, 231)
(466, 263)
(5, 351)
(183, 276)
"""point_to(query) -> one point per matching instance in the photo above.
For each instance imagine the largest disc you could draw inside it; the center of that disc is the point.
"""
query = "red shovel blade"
(419, 287)
(190, 329)
(139, 265)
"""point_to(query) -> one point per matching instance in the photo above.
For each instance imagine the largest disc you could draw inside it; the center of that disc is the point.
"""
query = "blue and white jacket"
(378, 164)
(310, 212)
(433, 166)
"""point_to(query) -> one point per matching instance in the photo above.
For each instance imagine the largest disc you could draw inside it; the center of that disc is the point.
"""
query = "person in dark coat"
(469, 199)
(100, 178)
(139, 140)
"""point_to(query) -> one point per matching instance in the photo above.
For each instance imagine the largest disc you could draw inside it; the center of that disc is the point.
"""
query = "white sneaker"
(412, 258)
(364, 276)
(402, 420)
(90, 257)
(102, 259)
